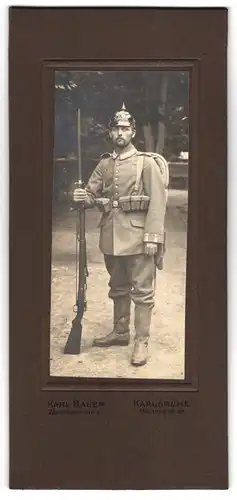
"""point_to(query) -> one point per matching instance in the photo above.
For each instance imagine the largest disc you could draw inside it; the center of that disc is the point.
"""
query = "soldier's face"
(121, 136)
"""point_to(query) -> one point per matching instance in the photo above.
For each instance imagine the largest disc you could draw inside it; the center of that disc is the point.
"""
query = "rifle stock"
(73, 344)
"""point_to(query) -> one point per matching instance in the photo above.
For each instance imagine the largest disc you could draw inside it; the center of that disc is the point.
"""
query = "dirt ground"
(167, 342)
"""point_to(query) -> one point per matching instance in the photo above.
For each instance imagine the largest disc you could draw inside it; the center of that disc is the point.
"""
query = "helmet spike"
(124, 107)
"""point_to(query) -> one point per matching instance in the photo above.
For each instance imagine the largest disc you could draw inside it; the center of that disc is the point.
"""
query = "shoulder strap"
(105, 155)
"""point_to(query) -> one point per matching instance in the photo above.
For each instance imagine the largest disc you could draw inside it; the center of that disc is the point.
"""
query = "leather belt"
(126, 203)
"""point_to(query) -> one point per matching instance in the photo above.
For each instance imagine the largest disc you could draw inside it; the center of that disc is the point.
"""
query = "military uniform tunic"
(124, 233)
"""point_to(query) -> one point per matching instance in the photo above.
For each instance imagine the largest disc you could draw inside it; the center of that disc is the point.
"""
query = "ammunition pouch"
(131, 203)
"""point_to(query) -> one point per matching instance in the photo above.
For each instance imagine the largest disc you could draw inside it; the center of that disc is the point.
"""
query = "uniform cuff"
(154, 237)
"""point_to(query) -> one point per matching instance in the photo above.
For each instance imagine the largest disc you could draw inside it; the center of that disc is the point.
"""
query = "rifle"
(73, 344)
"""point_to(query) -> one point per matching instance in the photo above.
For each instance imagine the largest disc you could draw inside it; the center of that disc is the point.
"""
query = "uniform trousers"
(131, 275)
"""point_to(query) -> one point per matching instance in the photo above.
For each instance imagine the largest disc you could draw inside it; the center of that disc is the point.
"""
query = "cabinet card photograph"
(119, 224)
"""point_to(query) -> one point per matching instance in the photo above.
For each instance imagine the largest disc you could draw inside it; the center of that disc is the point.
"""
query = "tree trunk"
(149, 139)
(160, 143)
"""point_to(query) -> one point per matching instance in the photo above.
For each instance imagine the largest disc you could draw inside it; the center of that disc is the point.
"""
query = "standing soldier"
(128, 186)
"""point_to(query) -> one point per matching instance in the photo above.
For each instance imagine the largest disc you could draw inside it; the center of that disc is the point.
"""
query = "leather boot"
(120, 334)
(142, 327)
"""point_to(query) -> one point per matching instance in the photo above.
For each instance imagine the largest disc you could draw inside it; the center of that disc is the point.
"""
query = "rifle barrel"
(79, 172)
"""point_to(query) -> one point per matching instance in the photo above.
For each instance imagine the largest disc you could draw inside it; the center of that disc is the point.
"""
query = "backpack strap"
(140, 162)
(162, 165)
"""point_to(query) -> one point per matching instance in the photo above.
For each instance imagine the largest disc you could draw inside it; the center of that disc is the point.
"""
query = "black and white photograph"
(119, 224)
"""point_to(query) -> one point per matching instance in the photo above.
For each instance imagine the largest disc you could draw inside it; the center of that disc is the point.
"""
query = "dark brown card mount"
(122, 447)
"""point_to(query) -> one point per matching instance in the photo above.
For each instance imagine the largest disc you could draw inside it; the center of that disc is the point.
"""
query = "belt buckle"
(115, 204)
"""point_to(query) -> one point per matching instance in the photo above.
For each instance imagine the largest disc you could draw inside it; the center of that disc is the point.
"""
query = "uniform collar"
(123, 156)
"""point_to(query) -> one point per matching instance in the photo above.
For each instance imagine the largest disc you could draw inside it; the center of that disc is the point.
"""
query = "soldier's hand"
(150, 248)
(79, 195)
